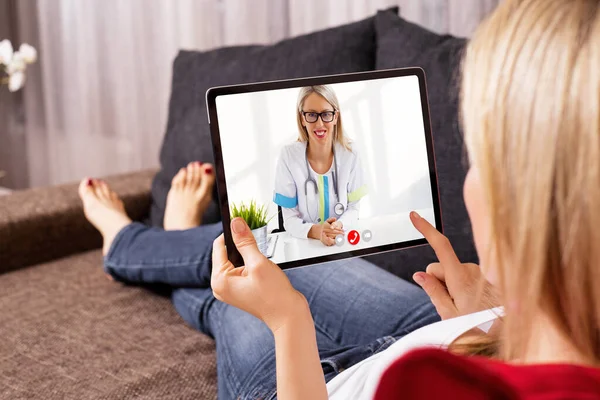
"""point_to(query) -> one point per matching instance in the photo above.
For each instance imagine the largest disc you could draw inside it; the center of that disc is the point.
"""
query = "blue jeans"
(358, 308)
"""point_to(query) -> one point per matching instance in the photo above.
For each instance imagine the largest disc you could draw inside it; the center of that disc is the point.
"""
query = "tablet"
(325, 168)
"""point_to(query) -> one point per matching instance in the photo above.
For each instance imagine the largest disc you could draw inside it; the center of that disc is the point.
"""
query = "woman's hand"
(451, 285)
(262, 289)
(259, 287)
(325, 232)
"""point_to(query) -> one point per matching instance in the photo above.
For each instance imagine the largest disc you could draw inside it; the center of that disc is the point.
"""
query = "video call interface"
(331, 168)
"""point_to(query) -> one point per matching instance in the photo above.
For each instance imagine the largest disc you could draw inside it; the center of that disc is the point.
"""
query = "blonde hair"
(530, 109)
(327, 93)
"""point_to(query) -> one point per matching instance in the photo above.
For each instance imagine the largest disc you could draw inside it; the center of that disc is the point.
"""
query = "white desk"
(385, 230)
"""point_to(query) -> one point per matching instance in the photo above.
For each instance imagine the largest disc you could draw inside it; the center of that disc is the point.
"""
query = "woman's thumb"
(438, 294)
(244, 241)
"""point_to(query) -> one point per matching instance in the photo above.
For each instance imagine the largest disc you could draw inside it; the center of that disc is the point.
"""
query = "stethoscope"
(339, 207)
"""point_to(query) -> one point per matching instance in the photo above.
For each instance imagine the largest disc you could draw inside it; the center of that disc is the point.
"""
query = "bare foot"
(189, 197)
(104, 209)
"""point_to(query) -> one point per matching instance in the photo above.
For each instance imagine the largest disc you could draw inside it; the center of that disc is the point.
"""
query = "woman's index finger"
(440, 243)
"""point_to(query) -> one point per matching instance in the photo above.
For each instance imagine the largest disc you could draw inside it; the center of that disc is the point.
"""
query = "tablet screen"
(326, 168)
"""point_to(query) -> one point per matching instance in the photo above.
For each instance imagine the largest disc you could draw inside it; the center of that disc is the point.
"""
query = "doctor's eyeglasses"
(311, 117)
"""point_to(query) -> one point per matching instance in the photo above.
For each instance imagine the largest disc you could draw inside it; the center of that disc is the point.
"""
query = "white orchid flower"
(16, 81)
(28, 52)
(17, 64)
(6, 52)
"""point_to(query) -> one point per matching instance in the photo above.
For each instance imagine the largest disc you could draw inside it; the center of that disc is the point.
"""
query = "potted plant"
(256, 218)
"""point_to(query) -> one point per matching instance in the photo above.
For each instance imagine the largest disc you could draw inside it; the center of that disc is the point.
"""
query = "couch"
(69, 333)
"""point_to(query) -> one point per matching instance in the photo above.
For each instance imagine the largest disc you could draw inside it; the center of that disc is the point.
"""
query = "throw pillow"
(404, 44)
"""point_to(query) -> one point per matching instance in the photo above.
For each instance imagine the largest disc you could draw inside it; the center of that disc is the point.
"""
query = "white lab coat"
(300, 211)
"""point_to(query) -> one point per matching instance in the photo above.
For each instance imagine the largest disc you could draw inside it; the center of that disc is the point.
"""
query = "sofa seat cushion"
(69, 333)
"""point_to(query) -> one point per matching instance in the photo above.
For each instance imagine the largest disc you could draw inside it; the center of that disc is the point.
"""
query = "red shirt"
(437, 374)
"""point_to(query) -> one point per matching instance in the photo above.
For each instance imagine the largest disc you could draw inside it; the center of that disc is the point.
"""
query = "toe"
(101, 189)
(208, 179)
(85, 187)
(96, 188)
(179, 178)
(208, 172)
(197, 178)
(189, 178)
(106, 190)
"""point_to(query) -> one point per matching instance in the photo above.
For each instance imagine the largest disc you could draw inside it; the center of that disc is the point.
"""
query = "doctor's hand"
(325, 232)
(338, 225)
(452, 286)
(259, 287)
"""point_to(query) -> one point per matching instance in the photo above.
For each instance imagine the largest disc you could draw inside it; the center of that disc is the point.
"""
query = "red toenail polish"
(208, 170)
(199, 163)
(89, 182)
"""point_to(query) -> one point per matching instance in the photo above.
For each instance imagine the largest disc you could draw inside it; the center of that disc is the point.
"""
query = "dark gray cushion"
(348, 48)
(403, 44)
(188, 138)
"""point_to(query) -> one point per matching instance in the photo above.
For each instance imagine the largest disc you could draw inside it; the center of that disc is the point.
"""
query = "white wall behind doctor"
(382, 117)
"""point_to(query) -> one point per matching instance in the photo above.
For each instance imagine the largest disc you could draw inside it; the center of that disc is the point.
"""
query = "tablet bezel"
(214, 92)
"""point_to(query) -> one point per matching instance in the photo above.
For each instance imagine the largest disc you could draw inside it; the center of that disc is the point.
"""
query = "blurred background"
(95, 102)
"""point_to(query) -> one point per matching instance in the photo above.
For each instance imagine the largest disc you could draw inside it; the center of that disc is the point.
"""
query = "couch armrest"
(40, 225)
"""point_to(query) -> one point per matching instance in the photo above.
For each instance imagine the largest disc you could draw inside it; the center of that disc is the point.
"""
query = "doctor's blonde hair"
(329, 95)
(530, 108)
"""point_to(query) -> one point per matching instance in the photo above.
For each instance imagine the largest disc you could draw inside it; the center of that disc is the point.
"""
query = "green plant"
(255, 216)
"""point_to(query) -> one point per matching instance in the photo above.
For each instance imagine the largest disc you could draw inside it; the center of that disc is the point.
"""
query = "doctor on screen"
(319, 180)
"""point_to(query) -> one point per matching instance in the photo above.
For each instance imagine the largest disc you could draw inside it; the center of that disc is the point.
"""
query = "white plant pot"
(260, 234)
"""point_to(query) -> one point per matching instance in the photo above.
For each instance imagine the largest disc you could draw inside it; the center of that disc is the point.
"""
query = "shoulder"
(294, 150)
(413, 375)
(345, 154)
(481, 378)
